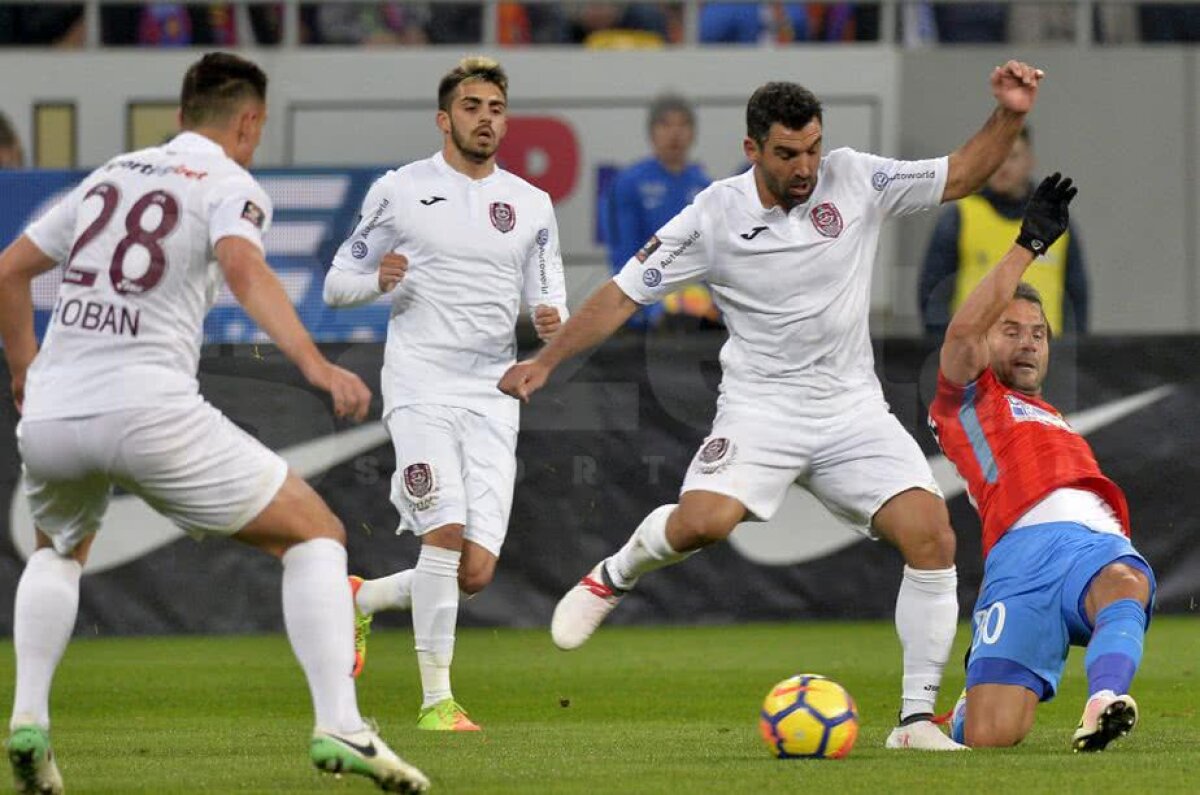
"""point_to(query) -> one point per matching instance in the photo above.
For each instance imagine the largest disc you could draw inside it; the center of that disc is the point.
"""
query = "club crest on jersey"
(254, 214)
(827, 219)
(1027, 412)
(503, 216)
(716, 454)
(419, 486)
(649, 248)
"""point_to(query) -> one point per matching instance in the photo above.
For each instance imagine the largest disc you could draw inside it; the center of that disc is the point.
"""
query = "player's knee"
(931, 546)
(472, 581)
(1122, 581)
(326, 525)
(702, 529)
(993, 732)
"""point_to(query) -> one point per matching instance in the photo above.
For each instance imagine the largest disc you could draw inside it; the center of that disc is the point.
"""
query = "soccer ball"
(809, 717)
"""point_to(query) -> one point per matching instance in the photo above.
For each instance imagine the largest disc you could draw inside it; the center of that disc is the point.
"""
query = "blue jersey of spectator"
(644, 197)
(651, 192)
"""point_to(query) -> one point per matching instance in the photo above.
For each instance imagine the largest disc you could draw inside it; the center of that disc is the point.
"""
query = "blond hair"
(472, 67)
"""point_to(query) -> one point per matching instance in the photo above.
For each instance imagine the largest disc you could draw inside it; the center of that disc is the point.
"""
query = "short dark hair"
(8, 135)
(1027, 292)
(216, 85)
(789, 104)
(669, 103)
(473, 67)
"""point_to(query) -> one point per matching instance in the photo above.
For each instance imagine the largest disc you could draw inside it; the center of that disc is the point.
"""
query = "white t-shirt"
(476, 249)
(137, 238)
(795, 288)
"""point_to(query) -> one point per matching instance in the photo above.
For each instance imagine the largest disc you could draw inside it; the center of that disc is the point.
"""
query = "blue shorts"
(1031, 604)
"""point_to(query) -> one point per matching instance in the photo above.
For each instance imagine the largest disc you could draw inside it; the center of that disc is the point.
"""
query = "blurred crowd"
(596, 24)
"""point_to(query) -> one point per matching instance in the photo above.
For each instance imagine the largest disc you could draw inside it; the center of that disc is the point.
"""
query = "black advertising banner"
(604, 444)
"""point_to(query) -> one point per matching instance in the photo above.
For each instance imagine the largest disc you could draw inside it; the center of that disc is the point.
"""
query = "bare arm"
(260, 293)
(20, 263)
(1015, 86)
(964, 352)
(603, 313)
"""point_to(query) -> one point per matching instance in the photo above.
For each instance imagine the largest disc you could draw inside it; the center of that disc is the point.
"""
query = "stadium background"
(612, 438)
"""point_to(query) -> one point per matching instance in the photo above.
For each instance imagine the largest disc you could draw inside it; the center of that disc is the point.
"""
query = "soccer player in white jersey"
(787, 250)
(112, 399)
(460, 244)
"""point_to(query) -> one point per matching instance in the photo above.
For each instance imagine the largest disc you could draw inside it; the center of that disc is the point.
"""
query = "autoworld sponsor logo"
(676, 253)
(652, 277)
(376, 217)
(359, 249)
(543, 237)
(880, 180)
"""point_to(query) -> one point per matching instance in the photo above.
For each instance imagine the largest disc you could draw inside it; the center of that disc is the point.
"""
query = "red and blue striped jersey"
(1013, 450)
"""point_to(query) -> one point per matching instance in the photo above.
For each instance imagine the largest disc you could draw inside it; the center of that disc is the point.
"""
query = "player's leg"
(740, 471)
(428, 492)
(248, 494)
(1020, 638)
(668, 535)
(489, 450)
(435, 601)
(870, 471)
(1116, 603)
(916, 522)
(67, 499)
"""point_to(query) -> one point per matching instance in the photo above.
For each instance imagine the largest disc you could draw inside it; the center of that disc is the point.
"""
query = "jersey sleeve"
(900, 187)
(375, 234)
(674, 256)
(544, 280)
(239, 207)
(54, 232)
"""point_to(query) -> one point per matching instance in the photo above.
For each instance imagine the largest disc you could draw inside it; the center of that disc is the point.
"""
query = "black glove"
(1046, 214)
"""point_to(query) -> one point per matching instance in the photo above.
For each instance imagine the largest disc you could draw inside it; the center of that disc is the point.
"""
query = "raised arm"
(20, 263)
(260, 293)
(964, 351)
(1015, 86)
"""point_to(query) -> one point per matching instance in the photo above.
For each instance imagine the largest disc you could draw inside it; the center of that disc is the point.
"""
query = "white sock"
(319, 617)
(393, 592)
(43, 618)
(435, 614)
(646, 550)
(926, 619)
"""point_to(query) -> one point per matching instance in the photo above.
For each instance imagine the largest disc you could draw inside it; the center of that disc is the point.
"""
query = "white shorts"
(853, 463)
(189, 463)
(453, 466)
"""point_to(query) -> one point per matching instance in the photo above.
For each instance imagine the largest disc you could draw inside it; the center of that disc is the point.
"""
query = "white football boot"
(584, 608)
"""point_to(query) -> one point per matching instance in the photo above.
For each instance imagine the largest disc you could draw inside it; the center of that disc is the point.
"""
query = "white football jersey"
(136, 238)
(476, 249)
(795, 287)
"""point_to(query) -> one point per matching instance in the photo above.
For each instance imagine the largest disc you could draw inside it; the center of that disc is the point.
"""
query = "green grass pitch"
(645, 710)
